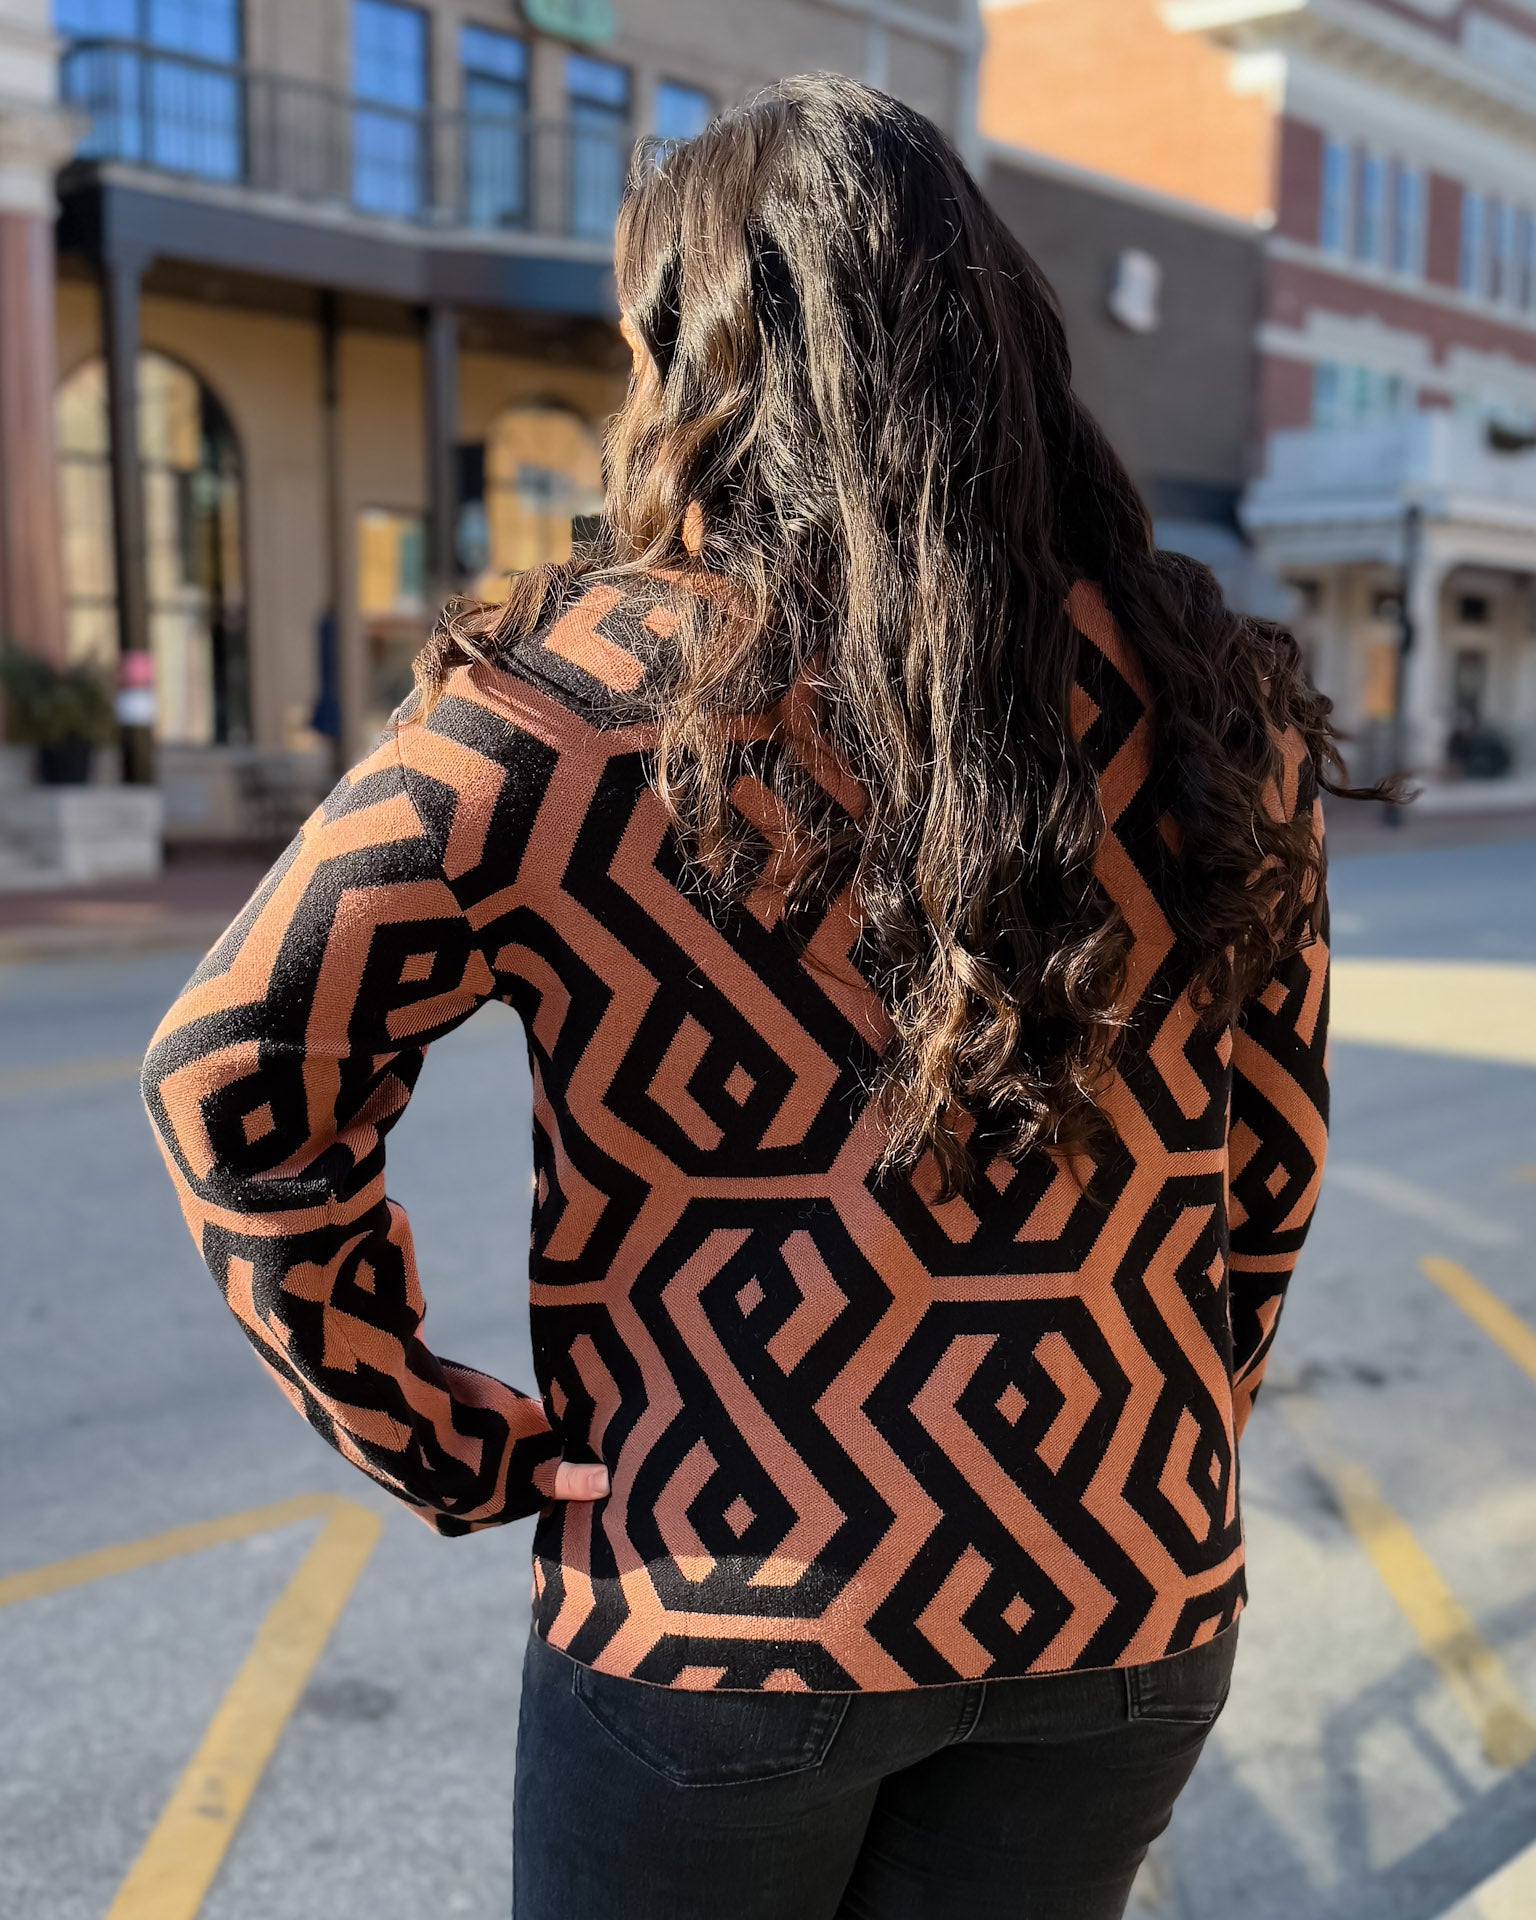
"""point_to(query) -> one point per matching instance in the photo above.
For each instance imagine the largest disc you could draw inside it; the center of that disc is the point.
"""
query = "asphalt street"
(1377, 1757)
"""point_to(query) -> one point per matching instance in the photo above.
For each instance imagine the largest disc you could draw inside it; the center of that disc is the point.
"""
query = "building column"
(121, 276)
(1423, 732)
(36, 136)
(32, 609)
(340, 670)
(440, 412)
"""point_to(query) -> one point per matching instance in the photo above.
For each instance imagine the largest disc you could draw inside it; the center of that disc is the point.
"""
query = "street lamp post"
(1413, 540)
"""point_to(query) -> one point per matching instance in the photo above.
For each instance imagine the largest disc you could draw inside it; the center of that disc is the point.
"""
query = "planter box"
(86, 833)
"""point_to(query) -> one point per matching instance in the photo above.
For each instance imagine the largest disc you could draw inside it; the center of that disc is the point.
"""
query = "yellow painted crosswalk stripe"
(1501, 1323)
(106, 1561)
(174, 1871)
(177, 1864)
(1475, 1676)
(1509, 1894)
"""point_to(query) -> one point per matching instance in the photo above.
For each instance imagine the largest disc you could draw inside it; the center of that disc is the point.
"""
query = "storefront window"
(194, 548)
(392, 601)
(542, 468)
(391, 564)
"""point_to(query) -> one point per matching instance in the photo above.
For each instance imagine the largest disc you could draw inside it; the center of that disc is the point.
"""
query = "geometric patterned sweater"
(856, 1439)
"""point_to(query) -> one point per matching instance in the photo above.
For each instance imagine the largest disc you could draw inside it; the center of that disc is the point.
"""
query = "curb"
(171, 933)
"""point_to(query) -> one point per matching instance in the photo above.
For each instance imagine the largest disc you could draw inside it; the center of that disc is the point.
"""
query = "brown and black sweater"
(857, 1439)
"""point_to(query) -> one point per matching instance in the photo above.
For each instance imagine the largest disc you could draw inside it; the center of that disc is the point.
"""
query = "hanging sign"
(584, 20)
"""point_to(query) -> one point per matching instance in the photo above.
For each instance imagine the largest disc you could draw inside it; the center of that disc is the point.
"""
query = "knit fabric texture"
(858, 1438)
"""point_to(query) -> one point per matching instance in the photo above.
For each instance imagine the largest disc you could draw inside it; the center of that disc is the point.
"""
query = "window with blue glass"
(495, 68)
(1471, 267)
(390, 172)
(158, 82)
(1500, 275)
(1408, 221)
(597, 96)
(1333, 213)
(1346, 396)
(1371, 208)
(680, 112)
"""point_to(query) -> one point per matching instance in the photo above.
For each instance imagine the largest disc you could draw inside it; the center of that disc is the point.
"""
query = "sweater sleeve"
(1276, 1143)
(272, 1083)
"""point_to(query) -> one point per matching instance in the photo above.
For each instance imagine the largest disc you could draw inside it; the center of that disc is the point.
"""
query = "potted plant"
(61, 711)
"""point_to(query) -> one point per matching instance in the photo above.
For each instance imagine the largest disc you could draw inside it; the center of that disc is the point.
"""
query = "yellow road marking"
(174, 1871)
(1509, 1894)
(1475, 1676)
(1472, 1010)
(36, 1581)
(15, 1081)
(1501, 1324)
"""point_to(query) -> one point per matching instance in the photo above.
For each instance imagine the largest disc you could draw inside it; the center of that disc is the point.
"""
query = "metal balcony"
(1452, 466)
(275, 134)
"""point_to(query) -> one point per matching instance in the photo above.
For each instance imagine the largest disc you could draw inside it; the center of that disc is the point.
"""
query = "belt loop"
(972, 1700)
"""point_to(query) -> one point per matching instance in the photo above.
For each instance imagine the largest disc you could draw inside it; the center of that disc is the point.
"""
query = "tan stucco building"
(341, 271)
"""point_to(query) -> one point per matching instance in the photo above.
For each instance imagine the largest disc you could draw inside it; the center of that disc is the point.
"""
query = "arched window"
(542, 467)
(193, 540)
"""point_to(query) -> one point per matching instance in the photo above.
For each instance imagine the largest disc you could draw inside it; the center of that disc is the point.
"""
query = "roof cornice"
(1371, 44)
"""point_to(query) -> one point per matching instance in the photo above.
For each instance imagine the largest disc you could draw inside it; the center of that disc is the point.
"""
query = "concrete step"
(19, 873)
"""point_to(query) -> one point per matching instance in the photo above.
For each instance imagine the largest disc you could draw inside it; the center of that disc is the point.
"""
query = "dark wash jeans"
(1033, 1799)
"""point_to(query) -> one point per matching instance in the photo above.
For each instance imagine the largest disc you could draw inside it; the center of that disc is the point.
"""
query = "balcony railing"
(273, 133)
(1323, 475)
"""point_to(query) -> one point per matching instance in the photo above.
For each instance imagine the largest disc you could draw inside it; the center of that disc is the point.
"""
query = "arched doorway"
(543, 466)
(194, 545)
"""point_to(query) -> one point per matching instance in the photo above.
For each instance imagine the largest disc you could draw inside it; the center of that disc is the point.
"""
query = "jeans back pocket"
(704, 1739)
(1189, 1688)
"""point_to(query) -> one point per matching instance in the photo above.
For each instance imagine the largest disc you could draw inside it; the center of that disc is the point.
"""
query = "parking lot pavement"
(1375, 1757)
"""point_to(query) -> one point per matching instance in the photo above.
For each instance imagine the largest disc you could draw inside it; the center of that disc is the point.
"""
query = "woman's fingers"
(574, 1482)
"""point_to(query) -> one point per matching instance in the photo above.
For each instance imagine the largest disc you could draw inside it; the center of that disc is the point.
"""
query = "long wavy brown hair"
(853, 423)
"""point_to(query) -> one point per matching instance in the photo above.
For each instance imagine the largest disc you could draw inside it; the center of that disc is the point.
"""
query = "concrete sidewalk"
(194, 899)
(1364, 827)
(188, 905)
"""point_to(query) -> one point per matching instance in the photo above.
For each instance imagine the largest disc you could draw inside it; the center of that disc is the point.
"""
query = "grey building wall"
(1178, 402)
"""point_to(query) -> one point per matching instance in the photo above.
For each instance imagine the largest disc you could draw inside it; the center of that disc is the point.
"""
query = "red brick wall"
(1107, 84)
(1443, 252)
(1285, 393)
(1301, 180)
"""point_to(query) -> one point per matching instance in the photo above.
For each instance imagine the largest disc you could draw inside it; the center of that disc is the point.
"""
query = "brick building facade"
(1393, 143)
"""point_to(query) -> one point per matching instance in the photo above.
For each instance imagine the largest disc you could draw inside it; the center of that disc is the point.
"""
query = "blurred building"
(1160, 296)
(1387, 148)
(330, 327)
